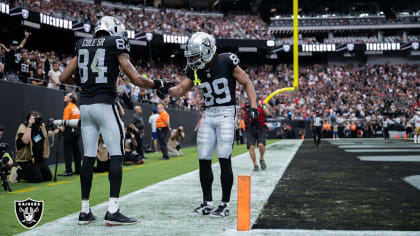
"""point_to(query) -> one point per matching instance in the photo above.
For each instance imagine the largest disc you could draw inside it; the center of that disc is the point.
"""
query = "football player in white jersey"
(416, 121)
(216, 75)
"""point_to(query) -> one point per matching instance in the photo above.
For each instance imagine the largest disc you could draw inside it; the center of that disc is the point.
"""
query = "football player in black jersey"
(97, 64)
(216, 75)
(316, 125)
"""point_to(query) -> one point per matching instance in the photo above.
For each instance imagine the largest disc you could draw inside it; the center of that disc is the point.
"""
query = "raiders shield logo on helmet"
(86, 27)
(29, 212)
(415, 45)
(25, 14)
(350, 47)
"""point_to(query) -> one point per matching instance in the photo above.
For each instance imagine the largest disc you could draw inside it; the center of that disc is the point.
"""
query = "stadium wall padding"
(17, 100)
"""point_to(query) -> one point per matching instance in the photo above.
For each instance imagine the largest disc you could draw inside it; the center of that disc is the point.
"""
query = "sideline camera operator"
(32, 149)
(71, 136)
(6, 163)
(174, 143)
(255, 130)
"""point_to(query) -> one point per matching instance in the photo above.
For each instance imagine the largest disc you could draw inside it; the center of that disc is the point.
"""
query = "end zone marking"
(59, 182)
(25, 190)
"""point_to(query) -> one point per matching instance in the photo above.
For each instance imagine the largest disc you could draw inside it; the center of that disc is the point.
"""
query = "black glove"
(253, 115)
(162, 87)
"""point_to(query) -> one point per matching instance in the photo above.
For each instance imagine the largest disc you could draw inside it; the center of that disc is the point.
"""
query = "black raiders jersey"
(24, 68)
(317, 121)
(218, 86)
(97, 60)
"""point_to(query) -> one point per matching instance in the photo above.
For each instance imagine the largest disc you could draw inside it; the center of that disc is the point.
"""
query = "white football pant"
(217, 129)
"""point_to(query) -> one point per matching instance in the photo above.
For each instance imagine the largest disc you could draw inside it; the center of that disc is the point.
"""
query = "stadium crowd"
(161, 21)
(347, 91)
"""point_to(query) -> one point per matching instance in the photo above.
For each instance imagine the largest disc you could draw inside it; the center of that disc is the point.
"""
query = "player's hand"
(162, 87)
(253, 115)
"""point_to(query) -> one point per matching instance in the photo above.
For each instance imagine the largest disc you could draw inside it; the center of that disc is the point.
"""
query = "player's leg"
(90, 135)
(261, 146)
(250, 143)
(112, 130)
(225, 131)
(206, 143)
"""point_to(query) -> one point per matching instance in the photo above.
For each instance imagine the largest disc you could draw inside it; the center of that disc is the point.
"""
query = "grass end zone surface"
(328, 188)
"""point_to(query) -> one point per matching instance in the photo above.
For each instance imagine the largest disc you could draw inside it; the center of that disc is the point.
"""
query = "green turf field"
(63, 197)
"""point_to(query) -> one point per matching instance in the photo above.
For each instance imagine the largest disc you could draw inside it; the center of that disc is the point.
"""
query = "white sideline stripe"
(163, 208)
(381, 146)
(390, 158)
(414, 180)
(382, 150)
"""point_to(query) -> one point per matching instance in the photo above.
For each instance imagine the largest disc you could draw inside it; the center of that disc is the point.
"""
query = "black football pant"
(72, 149)
(317, 135)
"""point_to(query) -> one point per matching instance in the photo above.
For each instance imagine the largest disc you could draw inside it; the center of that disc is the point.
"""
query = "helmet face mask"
(199, 50)
(113, 26)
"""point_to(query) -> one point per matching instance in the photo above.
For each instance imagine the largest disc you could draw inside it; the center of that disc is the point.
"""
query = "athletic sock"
(206, 179)
(113, 205)
(226, 178)
(86, 173)
(115, 175)
(85, 206)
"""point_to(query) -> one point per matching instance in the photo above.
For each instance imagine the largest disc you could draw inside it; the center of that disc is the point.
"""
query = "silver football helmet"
(112, 25)
(199, 50)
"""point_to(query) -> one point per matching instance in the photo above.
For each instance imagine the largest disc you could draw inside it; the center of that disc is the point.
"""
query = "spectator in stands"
(12, 55)
(54, 75)
(152, 122)
(33, 150)
(127, 94)
(39, 78)
(163, 127)
(24, 68)
(174, 143)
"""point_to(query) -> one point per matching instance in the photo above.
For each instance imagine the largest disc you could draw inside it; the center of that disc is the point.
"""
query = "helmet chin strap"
(196, 81)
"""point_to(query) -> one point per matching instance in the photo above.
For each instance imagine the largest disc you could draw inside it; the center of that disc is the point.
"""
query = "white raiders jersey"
(416, 121)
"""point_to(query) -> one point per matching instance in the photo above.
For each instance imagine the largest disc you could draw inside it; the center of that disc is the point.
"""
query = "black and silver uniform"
(217, 82)
(99, 68)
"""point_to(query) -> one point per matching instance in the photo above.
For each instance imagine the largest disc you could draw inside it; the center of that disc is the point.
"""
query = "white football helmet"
(112, 25)
(199, 50)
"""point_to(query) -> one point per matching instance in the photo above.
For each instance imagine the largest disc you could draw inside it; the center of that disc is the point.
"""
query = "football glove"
(253, 115)
(162, 87)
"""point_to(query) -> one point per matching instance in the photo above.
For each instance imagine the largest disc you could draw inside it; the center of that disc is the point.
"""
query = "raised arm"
(66, 75)
(244, 80)
(23, 42)
(181, 89)
(131, 72)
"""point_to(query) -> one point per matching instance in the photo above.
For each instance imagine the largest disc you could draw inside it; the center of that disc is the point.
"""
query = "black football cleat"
(204, 209)
(86, 218)
(221, 211)
(118, 218)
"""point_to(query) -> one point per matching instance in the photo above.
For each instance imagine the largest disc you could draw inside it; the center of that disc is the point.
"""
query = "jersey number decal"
(97, 65)
(220, 87)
